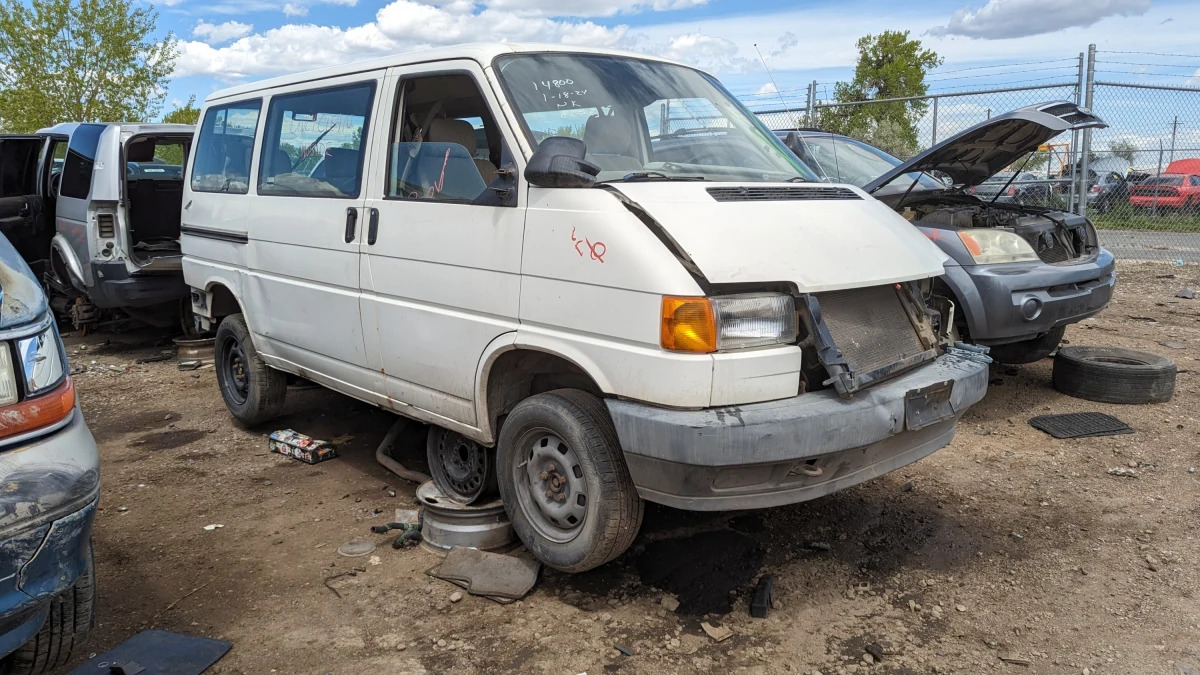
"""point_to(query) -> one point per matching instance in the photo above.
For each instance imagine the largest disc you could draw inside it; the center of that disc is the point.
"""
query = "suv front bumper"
(49, 489)
(1010, 302)
(792, 450)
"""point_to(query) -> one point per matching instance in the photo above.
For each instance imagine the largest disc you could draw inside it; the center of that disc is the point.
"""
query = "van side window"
(313, 145)
(224, 147)
(81, 156)
(445, 143)
(1195, 181)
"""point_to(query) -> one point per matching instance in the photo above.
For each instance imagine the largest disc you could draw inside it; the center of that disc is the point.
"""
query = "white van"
(598, 276)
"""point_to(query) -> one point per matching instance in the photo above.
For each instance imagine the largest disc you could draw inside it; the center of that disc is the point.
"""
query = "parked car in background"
(1018, 274)
(94, 210)
(1012, 187)
(49, 485)
(708, 331)
(1177, 188)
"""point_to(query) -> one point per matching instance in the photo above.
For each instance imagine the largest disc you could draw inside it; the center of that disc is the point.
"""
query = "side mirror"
(558, 162)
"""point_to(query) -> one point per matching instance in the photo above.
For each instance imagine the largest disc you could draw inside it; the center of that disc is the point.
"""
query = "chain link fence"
(1143, 171)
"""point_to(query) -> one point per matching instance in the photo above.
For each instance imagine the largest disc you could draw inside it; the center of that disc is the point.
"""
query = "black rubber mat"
(1080, 425)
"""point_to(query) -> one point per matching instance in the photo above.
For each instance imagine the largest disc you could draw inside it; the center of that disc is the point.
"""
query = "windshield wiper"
(652, 175)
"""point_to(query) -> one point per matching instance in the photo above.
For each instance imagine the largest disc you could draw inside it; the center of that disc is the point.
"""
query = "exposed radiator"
(870, 326)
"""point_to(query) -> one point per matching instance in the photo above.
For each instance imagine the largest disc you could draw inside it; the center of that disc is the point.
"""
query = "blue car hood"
(21, 296)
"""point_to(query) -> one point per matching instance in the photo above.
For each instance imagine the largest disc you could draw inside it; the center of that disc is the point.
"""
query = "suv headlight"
(996, 246)
(705, 325)
(35, 389)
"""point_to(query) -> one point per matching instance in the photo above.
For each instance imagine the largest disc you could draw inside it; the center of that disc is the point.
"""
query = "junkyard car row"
(507, 242)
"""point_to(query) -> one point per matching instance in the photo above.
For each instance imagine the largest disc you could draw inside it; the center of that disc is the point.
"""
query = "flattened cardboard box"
(303, 448)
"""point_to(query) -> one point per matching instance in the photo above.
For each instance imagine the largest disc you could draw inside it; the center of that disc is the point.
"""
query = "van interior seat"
(462, 133)
(611, 143)
(341, 169)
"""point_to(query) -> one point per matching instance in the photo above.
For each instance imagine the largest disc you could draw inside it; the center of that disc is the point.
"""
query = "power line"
(1003, 65)
(1134, 72)
(1160, 65)
(1001, 74)
(1180, 56)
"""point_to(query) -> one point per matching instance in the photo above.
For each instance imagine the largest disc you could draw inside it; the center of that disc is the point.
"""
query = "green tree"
(187, 113)
(890, 65)
(1123, 149)
(80, 60)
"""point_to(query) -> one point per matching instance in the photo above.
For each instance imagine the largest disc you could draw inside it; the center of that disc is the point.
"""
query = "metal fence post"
(1074, 157)
(1088, 96)
(933, 141)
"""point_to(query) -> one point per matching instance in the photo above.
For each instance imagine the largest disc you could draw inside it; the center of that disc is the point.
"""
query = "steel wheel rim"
(460, 465)
(551, 487)
(237, 380)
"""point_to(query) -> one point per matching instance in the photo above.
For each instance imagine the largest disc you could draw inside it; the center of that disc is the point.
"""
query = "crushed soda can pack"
(297, 445)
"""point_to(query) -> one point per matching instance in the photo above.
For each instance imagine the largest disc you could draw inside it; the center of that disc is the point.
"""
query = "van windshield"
(644, 120)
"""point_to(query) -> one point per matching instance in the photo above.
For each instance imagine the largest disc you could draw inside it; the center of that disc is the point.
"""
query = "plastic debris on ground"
(499, 577)
(355, 548)
(717, 633)
(1080, 425)
(764, 595)
(297, 445)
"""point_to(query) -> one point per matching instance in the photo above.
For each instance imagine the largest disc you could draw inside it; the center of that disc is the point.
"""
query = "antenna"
(795, 118)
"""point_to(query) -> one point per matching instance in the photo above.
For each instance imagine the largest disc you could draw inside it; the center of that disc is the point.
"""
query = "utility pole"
(1174, 128)
(1088, 95)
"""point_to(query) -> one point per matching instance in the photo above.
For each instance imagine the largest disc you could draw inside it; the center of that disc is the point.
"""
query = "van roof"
(127, 128)
(481, 52)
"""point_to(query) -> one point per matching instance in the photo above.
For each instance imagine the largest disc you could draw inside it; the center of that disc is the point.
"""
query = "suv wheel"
(253, 391)
(564, 481)
(67, 626)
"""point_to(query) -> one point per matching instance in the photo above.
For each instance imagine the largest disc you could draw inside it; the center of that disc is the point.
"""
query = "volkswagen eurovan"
(596, 275)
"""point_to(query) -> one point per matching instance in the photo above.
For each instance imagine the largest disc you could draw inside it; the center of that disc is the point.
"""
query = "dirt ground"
(1007, 551)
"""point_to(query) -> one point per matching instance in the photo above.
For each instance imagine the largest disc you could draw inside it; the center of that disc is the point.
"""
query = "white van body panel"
(820, 245)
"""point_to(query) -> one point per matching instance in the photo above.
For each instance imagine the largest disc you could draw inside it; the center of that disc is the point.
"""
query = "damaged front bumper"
(49, 489)
(799, 448)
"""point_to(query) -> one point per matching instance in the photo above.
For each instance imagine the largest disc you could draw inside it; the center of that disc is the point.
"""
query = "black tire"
(1114, 375)
(71, 618)
(253, 391)
(612, 512)
(1028, 351)
(462, 470)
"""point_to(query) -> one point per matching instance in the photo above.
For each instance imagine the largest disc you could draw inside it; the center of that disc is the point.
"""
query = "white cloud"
(1002, 19)
(292, 9)
(584, 8)
(768, 88)
(171, 3)
(216, 33)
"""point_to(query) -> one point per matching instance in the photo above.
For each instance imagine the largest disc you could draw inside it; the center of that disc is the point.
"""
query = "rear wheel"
(71, 617)
(253, 391)
(564, 481)
(1028, 351)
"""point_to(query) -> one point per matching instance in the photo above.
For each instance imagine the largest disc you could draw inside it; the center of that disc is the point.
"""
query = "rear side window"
(81, 157)
(1195, 181)
(313, 144)
(224, 148)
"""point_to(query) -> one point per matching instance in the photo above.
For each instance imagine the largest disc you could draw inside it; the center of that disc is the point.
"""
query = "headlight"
(705, 325)
(8, 379)
(996, 246)
(41, 361)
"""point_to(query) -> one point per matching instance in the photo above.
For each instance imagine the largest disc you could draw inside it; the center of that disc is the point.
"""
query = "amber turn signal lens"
(688, 325)
(35, 413)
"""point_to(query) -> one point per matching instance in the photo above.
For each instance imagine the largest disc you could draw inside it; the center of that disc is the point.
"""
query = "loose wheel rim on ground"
(551, 488)
(461, 468)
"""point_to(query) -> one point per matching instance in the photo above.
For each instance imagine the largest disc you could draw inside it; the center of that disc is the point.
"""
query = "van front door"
(443, 254)
(305, 229)
(20, 204)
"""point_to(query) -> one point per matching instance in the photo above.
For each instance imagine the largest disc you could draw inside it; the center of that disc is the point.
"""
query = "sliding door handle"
(351, 223)
(373, 227)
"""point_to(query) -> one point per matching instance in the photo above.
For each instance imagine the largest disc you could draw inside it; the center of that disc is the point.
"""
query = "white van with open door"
(597, 276)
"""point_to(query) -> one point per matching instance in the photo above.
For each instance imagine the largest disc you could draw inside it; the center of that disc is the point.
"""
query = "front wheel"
(564, 481)
(253, 391)
(71, 617)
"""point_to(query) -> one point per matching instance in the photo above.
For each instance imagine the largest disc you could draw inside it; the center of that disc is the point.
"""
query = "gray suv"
(1019, 274)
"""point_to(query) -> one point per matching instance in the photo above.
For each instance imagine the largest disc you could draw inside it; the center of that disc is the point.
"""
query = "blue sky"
(985, 42)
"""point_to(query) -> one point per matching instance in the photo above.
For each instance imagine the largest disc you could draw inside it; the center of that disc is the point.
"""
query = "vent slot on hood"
(765, 194)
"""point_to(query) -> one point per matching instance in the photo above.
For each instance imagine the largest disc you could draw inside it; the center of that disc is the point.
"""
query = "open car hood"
(818, 236)
(974, 155)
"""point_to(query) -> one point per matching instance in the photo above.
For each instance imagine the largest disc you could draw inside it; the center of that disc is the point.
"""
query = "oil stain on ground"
(701, 569)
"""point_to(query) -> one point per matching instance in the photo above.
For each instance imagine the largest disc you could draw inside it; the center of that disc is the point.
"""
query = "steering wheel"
(55, 183)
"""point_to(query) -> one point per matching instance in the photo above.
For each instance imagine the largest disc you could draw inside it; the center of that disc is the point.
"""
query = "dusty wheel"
(1114, 375)
(461, 469)
(253, 391)
(71, 617)
(564, 481)
(1028, 351)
